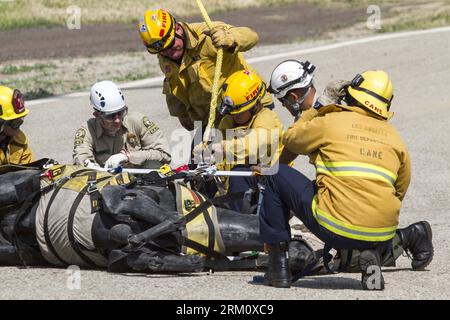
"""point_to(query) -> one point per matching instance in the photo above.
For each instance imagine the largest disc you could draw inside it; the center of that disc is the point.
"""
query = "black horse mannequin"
(137, 229)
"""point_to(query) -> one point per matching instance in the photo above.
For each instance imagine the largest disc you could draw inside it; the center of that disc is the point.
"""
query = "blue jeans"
(290, 190)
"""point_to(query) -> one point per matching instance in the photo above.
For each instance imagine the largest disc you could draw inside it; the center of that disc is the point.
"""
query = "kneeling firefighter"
(292, 83)
(373, 170)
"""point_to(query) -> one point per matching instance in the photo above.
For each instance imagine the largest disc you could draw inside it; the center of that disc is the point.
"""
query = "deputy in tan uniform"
(14, 147)
(118, 138)
(187, 56)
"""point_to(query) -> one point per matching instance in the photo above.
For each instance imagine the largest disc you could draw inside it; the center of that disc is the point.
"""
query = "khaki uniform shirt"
(142, 138)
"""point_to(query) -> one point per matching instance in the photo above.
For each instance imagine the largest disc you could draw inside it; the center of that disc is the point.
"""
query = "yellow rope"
(217, 75)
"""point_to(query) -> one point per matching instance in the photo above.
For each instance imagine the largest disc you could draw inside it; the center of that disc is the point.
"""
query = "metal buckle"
(92, 188)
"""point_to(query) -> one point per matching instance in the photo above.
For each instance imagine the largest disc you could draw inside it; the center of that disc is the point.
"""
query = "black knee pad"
(300, 255)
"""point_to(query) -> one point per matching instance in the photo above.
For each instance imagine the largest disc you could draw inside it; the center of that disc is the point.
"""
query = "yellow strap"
(217, 74)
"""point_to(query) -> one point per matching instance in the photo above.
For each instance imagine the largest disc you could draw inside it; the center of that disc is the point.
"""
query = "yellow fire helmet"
(157, 30)
(12, 105)
(374, 91)
(241, 92)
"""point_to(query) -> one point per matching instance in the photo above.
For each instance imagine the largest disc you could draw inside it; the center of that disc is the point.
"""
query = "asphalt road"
(420, 69)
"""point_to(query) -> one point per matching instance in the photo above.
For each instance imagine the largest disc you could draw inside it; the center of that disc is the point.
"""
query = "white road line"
(159, 80)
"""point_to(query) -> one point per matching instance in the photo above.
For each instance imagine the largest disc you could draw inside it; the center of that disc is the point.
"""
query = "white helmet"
(291, 74)
(106, 97)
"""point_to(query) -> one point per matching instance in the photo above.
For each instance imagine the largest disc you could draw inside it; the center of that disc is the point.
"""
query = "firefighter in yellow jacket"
(14, 147)
(363, 173)
(187, 57)
(292, 83)
(249, 134)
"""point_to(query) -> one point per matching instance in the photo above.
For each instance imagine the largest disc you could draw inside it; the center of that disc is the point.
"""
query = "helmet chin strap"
(4, 139)
(296, 106)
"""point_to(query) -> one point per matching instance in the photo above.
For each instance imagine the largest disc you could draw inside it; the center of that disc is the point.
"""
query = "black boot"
(417, 240)
(278, 274)
(370, 264)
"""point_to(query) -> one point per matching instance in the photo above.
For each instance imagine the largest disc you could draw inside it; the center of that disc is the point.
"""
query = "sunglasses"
(111, 117)
(285, 101)
(13, 124)
(158, 46)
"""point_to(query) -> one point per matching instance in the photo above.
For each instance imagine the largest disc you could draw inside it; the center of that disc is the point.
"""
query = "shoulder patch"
(79, 137)
(132, 140)
(80, 134)
(151, 127)
(147, 123)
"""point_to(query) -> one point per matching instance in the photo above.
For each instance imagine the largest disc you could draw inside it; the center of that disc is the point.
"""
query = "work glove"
(216, 152)
(116, 160)
(222, 37)
(197, 153)
(91, 165)
(209, 154)
(187, 123)
(333, 93)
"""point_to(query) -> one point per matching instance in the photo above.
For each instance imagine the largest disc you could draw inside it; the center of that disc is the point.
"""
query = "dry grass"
(43, 78)
(29, 13)
(421, 15)
(38, 79)
(398, 15)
